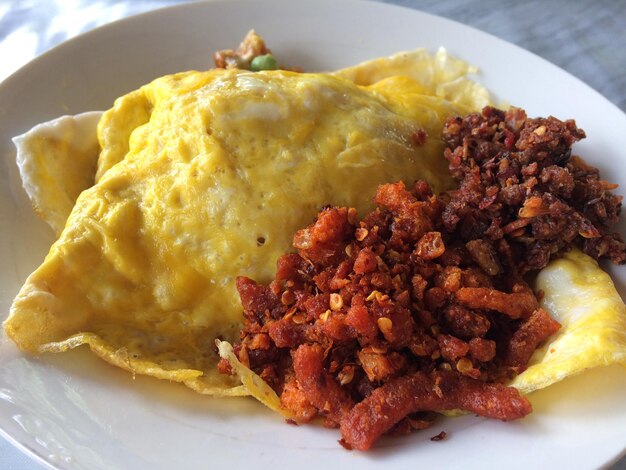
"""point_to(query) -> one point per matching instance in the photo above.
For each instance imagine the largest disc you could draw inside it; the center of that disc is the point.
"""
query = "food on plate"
(203, 176)
(199, 180)
(422, 305)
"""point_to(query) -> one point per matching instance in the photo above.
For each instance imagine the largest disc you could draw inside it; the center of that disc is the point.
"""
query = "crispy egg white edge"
(82, 132)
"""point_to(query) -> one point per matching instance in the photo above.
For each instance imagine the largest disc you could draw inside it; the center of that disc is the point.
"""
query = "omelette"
(199, 177)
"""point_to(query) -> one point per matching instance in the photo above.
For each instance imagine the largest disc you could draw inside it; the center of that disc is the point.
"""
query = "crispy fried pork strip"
(318, 386)
(515, 305)
(439, 390)
(527, 337)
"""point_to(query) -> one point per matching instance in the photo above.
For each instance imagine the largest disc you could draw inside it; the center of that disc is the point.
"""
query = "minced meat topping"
(519, 182)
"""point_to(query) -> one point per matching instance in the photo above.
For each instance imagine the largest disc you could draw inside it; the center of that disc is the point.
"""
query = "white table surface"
(585, 37)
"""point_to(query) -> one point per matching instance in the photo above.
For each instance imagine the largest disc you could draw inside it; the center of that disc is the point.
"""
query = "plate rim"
(25, 69)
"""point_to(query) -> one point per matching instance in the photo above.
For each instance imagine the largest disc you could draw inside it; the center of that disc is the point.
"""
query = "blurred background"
(587, 38)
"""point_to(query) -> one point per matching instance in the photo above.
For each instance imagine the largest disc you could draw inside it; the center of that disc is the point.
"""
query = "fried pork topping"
(383, 311)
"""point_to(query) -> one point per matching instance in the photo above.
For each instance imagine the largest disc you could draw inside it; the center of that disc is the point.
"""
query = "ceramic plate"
(74, 411)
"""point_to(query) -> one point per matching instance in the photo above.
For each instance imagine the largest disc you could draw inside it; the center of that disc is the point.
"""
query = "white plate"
(72, 410)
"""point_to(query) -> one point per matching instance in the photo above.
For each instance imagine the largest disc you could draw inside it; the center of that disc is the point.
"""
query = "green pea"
(263, 62)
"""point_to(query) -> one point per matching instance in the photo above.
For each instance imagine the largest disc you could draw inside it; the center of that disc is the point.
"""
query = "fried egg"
(204, 176)
(583, 299)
